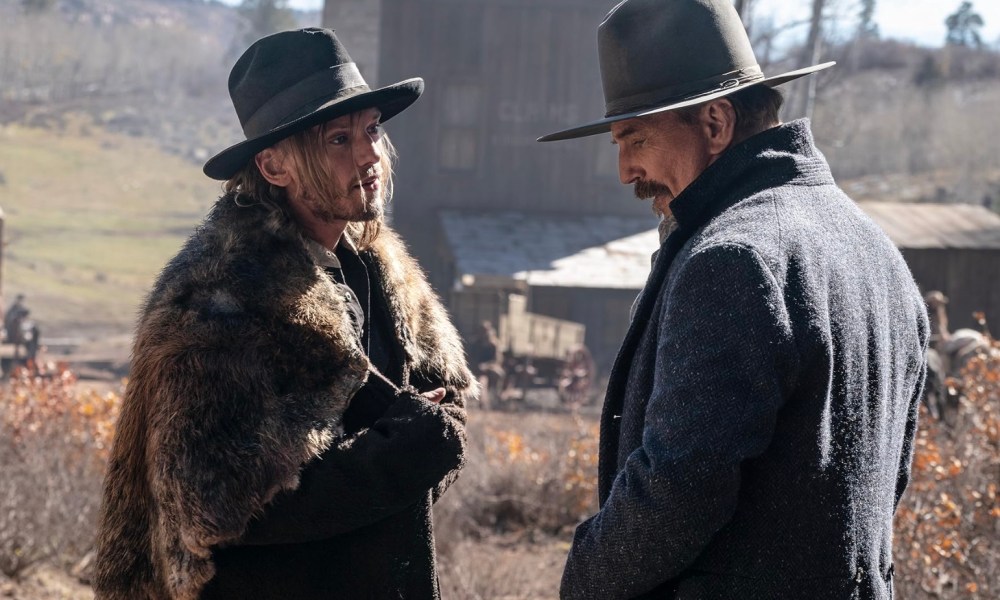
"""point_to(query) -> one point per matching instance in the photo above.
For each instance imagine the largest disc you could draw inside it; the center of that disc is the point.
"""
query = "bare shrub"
(878, 123)
(503, 568)
(948, 524)
(502, 530)
(48, 58)
(526, 476)
(54, 440)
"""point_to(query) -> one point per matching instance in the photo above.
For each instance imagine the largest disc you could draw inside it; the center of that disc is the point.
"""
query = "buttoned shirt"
(328, 260)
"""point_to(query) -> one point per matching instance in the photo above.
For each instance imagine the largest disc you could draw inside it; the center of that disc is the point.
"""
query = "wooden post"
(1, 264)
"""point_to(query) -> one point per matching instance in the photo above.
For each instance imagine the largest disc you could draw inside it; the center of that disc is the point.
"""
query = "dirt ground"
(45, 583)
(508, 569)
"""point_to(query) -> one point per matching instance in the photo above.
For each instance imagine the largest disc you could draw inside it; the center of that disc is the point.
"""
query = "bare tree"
(811, 52)
(745, 10)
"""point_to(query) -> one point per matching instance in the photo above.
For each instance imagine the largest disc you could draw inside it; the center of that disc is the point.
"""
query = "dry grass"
(948, 525)
(90, 218)
(504, 528)
(54, 439)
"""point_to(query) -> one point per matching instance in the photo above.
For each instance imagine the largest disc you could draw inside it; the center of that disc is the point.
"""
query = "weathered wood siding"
(499, 74)
(969, 277)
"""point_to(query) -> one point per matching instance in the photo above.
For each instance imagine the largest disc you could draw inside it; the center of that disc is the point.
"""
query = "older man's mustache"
(650, 189)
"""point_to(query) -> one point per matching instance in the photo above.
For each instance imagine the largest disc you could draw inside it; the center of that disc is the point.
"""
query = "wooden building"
(486, 208)
(499, 74)
(568, 268)
(953, 248)
(587, 269)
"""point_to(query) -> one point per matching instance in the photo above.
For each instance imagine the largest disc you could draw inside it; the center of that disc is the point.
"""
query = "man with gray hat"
(759, 420)
(296, 397)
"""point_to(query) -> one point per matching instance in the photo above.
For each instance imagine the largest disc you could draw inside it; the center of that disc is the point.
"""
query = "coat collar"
(782, 155)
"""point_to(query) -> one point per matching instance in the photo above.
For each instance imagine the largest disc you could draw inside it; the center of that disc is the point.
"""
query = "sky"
(920, 21)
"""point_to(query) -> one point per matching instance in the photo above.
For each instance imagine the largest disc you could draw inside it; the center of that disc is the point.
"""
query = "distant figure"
(13, 324)
(486, 358)
(955, 347)
(759, 420)
(947, 356)
(32, 343)
(577, 377)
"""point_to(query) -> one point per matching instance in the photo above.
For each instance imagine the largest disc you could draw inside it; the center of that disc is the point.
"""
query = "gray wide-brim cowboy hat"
(658, 55)
(289, 81)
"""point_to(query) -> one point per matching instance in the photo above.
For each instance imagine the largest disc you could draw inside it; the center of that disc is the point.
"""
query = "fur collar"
(244, 362)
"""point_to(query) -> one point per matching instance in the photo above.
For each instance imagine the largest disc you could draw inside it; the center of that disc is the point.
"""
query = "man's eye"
(338, 140)
(375, 130)
(639, 143)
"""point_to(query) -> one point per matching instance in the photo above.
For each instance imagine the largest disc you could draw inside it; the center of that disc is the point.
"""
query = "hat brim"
(390, 100)
(604, 125)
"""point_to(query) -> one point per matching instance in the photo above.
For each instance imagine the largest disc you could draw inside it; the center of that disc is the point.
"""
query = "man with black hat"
(759, 420)
(296, 398)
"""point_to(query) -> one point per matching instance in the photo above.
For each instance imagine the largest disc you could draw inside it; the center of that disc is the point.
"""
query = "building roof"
(559, 251)
(614, 252)
(931, 225)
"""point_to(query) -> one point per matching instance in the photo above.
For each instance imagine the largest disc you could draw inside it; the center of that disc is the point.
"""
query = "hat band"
(341, 80)
(701, 87)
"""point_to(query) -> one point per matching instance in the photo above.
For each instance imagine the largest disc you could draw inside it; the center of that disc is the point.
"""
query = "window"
(458, 149)
(461, 107)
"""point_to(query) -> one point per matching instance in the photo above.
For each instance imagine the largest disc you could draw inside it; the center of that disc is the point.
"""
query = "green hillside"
(90, 218)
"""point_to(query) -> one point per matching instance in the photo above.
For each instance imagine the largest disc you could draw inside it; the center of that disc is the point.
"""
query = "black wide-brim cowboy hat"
(290, 81)
(657, 56)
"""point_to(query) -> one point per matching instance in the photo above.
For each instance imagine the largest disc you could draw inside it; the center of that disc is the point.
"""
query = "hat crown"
(652, 51)
(283, 61)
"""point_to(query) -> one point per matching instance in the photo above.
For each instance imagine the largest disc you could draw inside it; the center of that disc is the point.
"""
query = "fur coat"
(243, 365)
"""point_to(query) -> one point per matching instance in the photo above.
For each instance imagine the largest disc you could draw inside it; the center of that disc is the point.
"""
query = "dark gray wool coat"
(238, 470)
(758, 425)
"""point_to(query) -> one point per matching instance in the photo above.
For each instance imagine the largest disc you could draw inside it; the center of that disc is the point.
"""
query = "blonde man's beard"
(346, 206)
(341, 209)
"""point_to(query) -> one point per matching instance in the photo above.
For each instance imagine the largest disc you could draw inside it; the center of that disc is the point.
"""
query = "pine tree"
(963, 27)
(867, 27)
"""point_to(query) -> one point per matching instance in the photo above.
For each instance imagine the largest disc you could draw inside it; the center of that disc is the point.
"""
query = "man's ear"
(271, 163)
(719, 122)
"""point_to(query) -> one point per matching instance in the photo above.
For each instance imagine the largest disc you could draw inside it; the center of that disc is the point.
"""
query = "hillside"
(147, 68)
(90, 217)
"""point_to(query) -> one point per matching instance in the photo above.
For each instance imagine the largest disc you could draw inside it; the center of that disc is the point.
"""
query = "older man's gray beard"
(644, 190)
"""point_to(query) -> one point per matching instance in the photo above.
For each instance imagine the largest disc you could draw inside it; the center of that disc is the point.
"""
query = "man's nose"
(367, 151)
(627, 171)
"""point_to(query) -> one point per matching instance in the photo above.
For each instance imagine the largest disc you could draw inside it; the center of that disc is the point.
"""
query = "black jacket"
(359, 525)
(758, 425)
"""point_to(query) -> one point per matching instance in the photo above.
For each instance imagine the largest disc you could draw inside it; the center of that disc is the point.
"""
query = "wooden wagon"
(533, 351)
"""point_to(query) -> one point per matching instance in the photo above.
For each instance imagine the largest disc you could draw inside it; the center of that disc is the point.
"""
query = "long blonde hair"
(306, 147)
